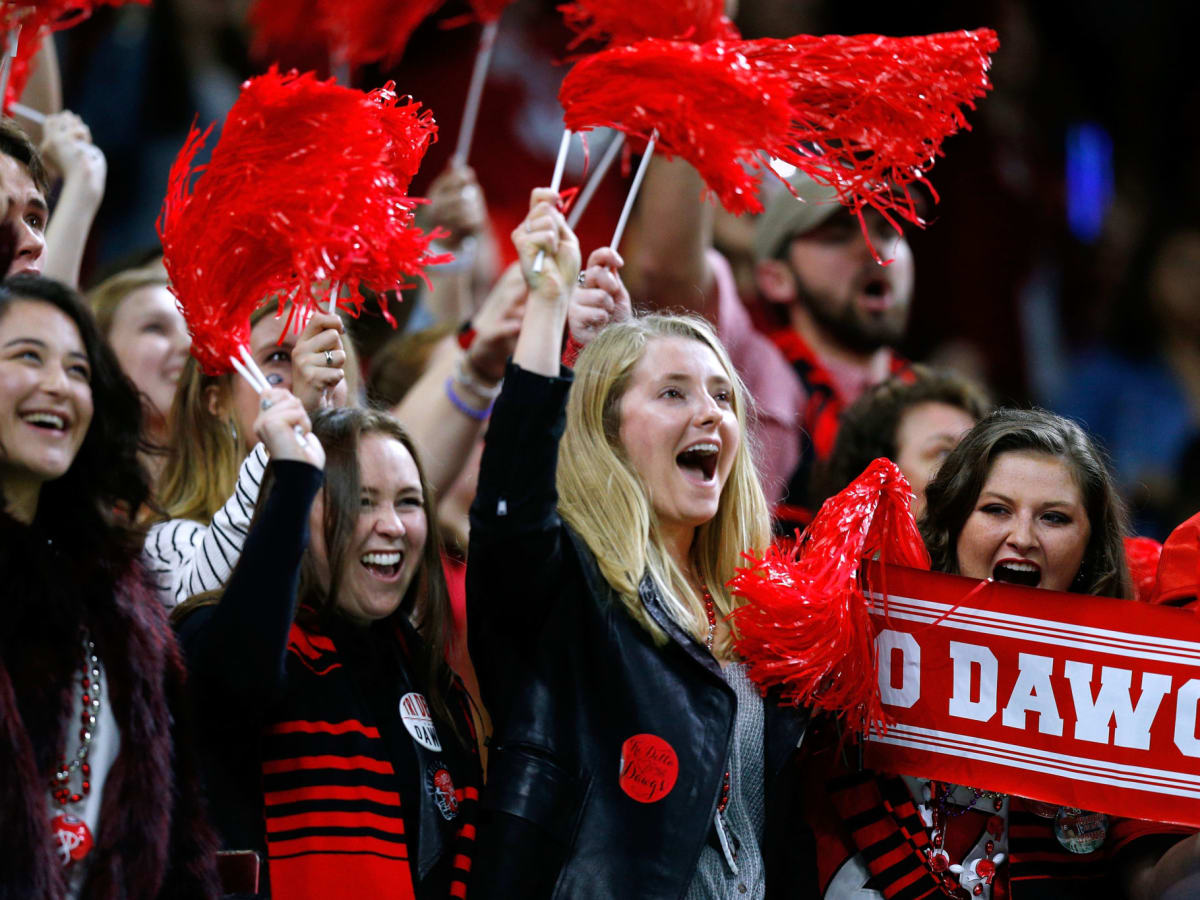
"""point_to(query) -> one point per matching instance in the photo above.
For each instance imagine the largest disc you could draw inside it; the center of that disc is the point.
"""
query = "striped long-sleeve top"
(187, 557)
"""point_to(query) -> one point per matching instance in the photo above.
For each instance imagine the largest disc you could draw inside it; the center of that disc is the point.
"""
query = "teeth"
(703, 448)
(39, 418)
(1020, 567)
(381, 559)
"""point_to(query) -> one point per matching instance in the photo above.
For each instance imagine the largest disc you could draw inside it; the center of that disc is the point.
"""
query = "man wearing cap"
(831, 312)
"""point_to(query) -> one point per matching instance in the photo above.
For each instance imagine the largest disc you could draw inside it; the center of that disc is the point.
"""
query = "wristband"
(464, 375)
(479, 415)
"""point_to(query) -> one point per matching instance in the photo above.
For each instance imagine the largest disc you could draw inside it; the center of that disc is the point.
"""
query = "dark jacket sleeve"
(235, 650)
(517, 538)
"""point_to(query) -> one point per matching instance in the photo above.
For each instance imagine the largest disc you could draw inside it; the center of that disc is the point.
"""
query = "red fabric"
(806, 623)
(1142, 555)
(373, 31)
(288, 33)
(1178, 575)
(620, 22)
(307, 188)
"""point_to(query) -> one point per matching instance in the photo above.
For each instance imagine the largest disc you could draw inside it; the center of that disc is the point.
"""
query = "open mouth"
(877, 293)
(1025, 574)
(46, 421)
(384, 566)
(699, 461)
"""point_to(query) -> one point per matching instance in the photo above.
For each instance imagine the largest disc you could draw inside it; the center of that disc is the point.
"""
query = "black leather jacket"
(569, 677)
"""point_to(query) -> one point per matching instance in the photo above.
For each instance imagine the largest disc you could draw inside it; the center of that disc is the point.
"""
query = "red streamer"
(806, 624)
(621, 22)
(307, 186)
(866, 115)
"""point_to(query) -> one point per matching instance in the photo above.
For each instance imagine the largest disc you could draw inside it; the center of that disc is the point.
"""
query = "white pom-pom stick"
(10, 53)
(483, 58)
(555, 183)
(633, 190)
(606, 161)
(35, 116)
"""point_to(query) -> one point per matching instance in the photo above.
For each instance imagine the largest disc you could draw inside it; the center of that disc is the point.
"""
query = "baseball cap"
(786, 216)
(1179, 565)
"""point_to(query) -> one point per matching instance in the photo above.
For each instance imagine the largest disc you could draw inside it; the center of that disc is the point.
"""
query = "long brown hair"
(426, 603)
(951, 496)
(206, 449)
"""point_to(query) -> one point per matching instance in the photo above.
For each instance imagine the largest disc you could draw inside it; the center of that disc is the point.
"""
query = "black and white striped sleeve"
(188, 557)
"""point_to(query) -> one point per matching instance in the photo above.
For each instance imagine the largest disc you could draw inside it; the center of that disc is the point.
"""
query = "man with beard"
(830, 313)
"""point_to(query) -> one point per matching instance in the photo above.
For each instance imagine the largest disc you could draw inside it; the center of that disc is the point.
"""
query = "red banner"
(1076, 700)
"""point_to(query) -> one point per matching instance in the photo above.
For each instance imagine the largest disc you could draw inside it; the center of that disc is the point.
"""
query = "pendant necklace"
(72, 837)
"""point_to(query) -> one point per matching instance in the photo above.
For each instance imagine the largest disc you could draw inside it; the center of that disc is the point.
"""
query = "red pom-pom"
(37, 18)
(620, 22)
(373, 31)
(806, 623)
(864, 114)
(1142, 555)
(305, 189)
(872, 111)
(709, 105)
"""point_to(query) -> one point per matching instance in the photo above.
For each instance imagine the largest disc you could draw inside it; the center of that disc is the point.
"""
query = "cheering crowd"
(449, 615)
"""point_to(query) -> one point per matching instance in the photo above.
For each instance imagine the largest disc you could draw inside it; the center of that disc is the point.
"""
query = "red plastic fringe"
(621, 22)
(709, 104)
(865, 114)
(373, 31)
(36, 18)
(806, 624)
(306, 188)
(1142, 555)
(872, 111)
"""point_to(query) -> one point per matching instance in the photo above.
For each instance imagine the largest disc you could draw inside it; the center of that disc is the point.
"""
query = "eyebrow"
(1008, 500)
(39, 203)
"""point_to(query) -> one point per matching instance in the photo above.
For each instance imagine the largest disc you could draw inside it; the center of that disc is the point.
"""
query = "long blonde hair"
(206, 450)
(605, 501)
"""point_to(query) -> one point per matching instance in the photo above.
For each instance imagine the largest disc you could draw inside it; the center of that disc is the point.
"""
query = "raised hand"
(284, 428)
(600, 296)
(319, 363)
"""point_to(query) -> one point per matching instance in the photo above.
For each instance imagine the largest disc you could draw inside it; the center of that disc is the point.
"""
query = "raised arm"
(236, 649)
(517, 539)
(68, 149)
(545, 232)
(666, 251)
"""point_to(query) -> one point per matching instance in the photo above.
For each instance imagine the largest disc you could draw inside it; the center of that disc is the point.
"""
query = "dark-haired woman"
(336, 740)
(1026, 498)
(95, 796)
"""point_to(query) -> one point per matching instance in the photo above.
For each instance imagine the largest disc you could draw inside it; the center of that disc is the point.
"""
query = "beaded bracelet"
(478, 415)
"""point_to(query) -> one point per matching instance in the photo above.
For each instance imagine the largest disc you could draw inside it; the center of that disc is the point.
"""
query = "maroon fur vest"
(153, 840)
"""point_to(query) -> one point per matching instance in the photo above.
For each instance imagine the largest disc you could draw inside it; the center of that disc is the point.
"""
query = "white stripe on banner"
(1074, 768)
(1041, 631)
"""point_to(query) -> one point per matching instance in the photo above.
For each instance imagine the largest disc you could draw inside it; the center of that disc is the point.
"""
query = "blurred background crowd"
(1059, 268)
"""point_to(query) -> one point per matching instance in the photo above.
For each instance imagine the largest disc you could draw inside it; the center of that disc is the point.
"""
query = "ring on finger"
(582, 278)
(329, 358)
(266, 403)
